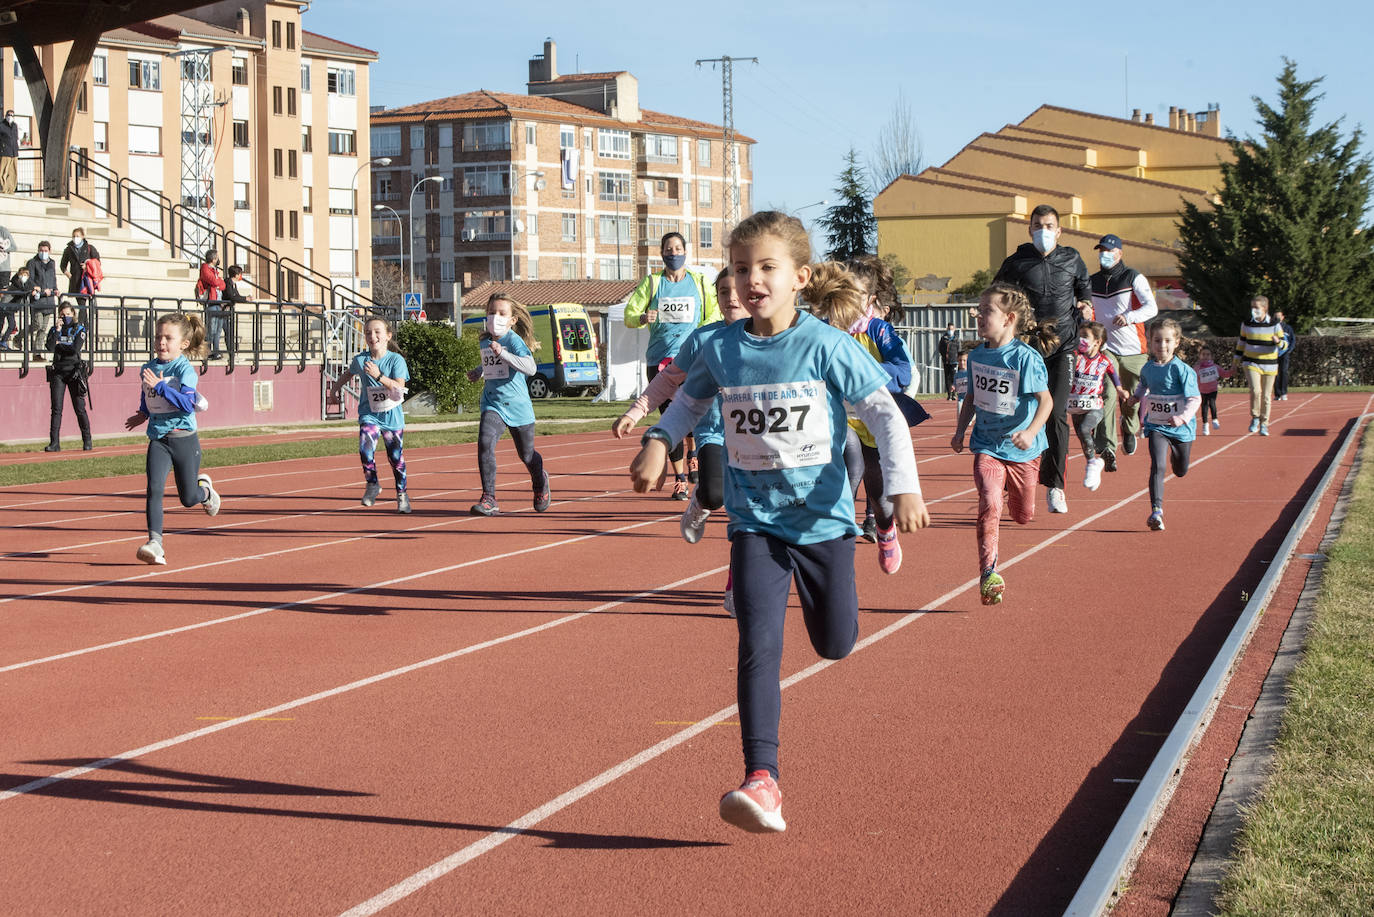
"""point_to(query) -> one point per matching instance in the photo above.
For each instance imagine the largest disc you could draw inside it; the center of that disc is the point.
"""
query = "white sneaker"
(152, 553)
(1092, 474)
(1057, 501)
(211, 503)
(694, 518)
(1216, 423)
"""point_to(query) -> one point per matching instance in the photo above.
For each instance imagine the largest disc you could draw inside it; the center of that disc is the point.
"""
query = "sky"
(829, 74)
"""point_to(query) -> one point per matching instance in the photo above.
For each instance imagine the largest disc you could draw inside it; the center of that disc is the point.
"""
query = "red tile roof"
(586, 77)
(548, 292)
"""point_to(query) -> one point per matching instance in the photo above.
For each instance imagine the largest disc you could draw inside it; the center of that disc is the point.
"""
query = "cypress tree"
(850, 227)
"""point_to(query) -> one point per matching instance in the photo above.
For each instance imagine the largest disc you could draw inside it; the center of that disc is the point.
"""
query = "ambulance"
(566, 357)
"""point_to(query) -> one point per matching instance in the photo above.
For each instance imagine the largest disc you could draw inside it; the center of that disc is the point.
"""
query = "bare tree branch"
(898, 150)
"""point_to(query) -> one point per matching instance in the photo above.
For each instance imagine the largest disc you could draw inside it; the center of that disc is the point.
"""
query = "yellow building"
(1104, 175)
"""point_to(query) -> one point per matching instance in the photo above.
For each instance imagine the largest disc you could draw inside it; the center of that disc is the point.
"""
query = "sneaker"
(680, 490)
(152, 553)
(1254, 424)
(693, 523)
(1206, 430)
(5, 345)
(370, 493)
(87, 446)
(1109, 461)
(403, 503)
(1264, 429)
(1092, 474)
(756, 806)
(1128, 443)
(1216, 423)
(692, 467)
(1057, 501)
(52, 447)
(991, 587)
(1156, 520)
(728, 602)
(889, 551)
(211, 503)
(870, 531)
(215, 355)
(1283, 397)
(485, 507)
(542, 497)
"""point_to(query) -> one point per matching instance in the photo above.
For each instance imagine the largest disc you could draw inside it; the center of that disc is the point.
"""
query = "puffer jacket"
(1054, 283)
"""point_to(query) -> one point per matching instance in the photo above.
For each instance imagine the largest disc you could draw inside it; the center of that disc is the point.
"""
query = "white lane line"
(43, 782)
(429, 874)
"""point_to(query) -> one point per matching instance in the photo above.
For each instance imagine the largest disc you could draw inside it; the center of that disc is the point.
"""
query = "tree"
(387, 285)
(1288, 220)
(970, 291)
(901, 276)
(850, 227)
(898, 149)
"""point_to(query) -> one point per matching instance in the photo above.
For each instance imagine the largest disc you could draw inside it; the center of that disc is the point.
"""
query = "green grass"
(1307, 847)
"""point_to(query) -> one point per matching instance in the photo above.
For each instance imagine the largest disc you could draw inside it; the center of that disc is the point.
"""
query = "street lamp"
(410, 213)
(539, 185)
(353, 221)
(400, 228)
(809, 206)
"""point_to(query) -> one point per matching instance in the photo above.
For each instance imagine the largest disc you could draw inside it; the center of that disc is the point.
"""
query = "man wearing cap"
(9, 154)
(1123, 303)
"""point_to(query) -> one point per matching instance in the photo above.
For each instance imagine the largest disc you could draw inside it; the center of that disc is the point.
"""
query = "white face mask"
(78, 241)
(1043, 239)
(497, 325)
(1257, 314)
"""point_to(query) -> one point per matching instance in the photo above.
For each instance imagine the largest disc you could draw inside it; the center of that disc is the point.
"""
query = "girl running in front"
(384, 375)
(169, 402)
(1011, 400)
(1209, 376)
(709, 435)
(783, 377)
(1091, 369)
(1168, 390)
(507, 344)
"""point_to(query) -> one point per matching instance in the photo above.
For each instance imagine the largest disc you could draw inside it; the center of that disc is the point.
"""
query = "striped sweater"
(1258, 344)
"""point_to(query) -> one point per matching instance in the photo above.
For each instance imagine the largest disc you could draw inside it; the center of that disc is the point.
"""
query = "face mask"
(43, 256)
(68, 319)
(497, 325)
(1084, 345)
(1043, 239)
(1257, 314)
(23, 278)
(674, 262)
(1106, 259)
(78, 241)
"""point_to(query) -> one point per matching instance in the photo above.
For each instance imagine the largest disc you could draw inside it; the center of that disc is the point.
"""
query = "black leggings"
(674, 454)
(180, 455)
(711, 476)
(1209, 403)
(1060, 367)
(488, 432)
(1165, 451)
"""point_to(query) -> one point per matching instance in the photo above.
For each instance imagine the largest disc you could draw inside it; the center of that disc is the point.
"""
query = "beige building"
(266, 141)
(572, 180)
(1104, 175)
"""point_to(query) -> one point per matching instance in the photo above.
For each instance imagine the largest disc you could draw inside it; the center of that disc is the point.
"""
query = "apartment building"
(572, 180)
(234, 111)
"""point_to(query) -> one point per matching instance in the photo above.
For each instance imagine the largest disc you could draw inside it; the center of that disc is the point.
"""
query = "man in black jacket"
(9, 154)
(949, 357)
(43, 273)
(1055, 279)
(1290, 341)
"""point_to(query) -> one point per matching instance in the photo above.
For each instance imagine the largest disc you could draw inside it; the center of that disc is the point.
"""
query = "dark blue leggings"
(180, 455)
(763, 568)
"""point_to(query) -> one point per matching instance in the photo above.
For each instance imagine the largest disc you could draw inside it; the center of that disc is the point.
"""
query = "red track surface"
(966, 760)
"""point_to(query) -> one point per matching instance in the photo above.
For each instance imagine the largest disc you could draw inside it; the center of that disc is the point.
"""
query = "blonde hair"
(390, 331)
(787, 229)
(873, 272)
(835, 295)
(1043, 336)
(1261, 299)
(192, 332)
(522, 323)
(1167, 324)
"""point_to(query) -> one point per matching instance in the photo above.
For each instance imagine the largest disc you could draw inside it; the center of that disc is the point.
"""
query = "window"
(307, 199)
(445, 226)
(145, 74)
(291, 100)
(145, 139)
(276, 39)
(485, 225)
(81, 98)
(567, 137)
(239, 72)
(704, 193)
(533, 272)
(240, 195)
(480, 181)
(569, 227)
(305, 76)
(704, 153)
(341, 201)
(343, 143)
(611, 269)
(532, 223)
(496, 269)
(102, 136)
(295, 224)
(279, 223)
(660, 148)
(446, 272)
(655, 228)
(529, 134)
(612, 230)
(446, 136)
(613, 144)
(613, 186)
(386, 141)
(706, 235)
(276, 163)
(569, 266)
(100, 70)
(241, 134)
(417, 138)
(341, 81)
(291, 161)
(291, 36)
(307, 140)
(383, 186)
(276, 100)
(486, 135)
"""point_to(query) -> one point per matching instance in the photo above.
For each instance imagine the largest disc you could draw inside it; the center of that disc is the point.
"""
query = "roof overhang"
(46, 22)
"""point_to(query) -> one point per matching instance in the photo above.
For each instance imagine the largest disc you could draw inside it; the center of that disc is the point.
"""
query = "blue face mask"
(1043, 239)
(674, 262)
(1106, 259)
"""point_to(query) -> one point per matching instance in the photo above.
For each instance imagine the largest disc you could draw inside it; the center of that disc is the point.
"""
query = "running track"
(321, 709)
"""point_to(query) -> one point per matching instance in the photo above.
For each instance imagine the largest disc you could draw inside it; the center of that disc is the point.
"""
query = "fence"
(920, 330)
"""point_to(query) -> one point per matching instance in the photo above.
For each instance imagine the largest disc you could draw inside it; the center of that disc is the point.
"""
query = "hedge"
(1314, 361)
(439, 362)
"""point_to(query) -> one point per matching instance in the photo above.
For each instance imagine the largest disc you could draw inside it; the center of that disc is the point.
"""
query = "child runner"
(1090, 366)
(507, 343)
(708, 433)
(1257, 351)
(1168, 390)
(384, 375)
(1209, 376)
(1011, 401)
(961, 382)
(783, 377)
(168, 403)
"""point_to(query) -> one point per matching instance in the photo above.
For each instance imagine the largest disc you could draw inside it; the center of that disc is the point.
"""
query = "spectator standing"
(67, 374)
(1055, 280)
(228, 300)
(43, 274)
(949, 357)
(209, 285)
(1290, 341)
(1122, 303)
(9, 153)
(73, 264)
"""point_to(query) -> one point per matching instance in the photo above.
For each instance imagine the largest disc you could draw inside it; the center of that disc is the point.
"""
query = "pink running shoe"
(889, 550)
(756, 806)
